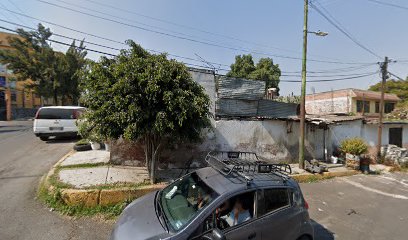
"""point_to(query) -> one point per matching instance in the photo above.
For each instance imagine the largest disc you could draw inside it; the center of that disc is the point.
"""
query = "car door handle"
(252, 236)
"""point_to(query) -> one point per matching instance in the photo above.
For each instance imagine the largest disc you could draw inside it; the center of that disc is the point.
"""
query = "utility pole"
(303, 91)
(384, 73)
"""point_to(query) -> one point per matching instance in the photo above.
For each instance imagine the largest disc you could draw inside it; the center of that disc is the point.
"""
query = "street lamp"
(319, 33)
(303, 91)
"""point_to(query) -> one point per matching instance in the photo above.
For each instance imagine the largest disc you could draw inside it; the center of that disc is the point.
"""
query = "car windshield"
(183, 200)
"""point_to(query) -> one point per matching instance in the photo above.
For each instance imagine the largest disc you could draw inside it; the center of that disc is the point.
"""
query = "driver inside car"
(240, 212)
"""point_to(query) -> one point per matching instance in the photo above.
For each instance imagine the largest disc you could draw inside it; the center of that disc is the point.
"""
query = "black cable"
(353, 68)
(186, 38)
(104, 46)
(342, 30)
(193, 28)
(389, 4)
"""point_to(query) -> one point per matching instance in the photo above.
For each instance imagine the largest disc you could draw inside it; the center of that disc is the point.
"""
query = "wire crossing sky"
(361, 33)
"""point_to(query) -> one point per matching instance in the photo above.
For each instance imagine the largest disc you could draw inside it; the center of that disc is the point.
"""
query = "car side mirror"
(215, 234)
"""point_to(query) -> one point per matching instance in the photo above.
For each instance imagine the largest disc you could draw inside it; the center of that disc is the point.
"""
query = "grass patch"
(311, 178)
(118, 185)
(82, 142)
(54, 201)
(83, 165)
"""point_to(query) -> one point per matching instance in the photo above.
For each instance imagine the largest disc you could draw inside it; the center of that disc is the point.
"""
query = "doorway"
(395, 136)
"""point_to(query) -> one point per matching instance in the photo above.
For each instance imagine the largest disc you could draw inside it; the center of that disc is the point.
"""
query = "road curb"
(307, 177)
(96, 196)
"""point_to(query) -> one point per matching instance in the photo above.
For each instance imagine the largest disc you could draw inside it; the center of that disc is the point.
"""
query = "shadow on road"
(62, 140)
(18, 177)
(321, 233)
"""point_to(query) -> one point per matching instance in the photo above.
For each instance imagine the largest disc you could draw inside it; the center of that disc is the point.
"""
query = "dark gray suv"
(238, 197)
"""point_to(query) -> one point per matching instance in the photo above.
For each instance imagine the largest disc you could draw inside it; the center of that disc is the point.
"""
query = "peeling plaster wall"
(328, 106)
(368, 132)
(271, 139)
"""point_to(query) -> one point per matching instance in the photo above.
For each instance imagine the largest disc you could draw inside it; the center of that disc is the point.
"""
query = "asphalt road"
(23, 160)
(359, 207)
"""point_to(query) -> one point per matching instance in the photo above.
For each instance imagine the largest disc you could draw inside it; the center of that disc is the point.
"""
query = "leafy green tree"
(265, 70)
(400, 88)
(30, 58)
(144, 97)
(71, 64)
(54, 74)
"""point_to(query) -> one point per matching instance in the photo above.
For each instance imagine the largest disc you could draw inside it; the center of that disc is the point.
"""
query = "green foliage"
(87, 130)
(398, 87)
(355, 146)
(288, 99)
(55, 202)
(82, 142)
(265, 70)
(141, 96)
(54, 74)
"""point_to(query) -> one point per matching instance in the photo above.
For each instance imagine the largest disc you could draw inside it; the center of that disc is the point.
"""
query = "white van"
(58, 121)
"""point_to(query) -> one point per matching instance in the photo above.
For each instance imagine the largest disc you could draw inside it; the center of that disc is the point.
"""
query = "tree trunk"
(152, 154)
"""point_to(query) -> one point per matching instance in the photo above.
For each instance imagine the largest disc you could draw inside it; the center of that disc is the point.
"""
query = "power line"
(194, 28)
(389, 4)
(342, 29)
(351, 68)
(109, 47)
(66, 44)
(188, 58)
(283, 80)
(186, 38)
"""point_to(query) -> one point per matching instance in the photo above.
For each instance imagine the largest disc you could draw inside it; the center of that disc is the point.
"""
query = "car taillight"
(75, 114)
(306, 205)
(38, 113)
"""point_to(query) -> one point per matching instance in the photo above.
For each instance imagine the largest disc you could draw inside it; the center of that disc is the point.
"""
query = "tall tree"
(30, 58)
(54, 74)
(144, 97)
(265, 70)
(73, 60)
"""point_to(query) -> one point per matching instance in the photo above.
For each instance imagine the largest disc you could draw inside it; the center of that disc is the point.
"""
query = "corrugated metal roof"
(268, 108)
(240, 88)
(236, 108)
(254, 108)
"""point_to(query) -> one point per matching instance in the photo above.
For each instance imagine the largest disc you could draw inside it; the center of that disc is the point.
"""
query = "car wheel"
(304, 237)
(82, 147)
(44, 138)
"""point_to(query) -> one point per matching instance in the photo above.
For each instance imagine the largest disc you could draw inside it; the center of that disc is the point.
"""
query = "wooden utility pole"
(303, 92)
(384, 73)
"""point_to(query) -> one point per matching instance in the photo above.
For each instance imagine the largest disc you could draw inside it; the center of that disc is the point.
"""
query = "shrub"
(355, 146)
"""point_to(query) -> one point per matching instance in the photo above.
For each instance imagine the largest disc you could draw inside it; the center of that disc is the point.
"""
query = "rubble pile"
(397, 155)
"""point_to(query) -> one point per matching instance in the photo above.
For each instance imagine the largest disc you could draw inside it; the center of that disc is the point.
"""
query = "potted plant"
(353, 148)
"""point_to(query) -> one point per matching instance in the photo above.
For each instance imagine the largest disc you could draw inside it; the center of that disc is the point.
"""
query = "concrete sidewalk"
(77, 170)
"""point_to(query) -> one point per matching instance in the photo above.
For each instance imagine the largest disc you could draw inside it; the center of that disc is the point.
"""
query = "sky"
(218, 30)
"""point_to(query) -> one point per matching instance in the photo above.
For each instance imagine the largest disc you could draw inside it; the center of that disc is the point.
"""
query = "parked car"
(58, 121)
(233, 199)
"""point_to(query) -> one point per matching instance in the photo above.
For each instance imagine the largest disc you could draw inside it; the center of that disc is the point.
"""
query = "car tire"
(304, 237)
(43, 138)
(82, 147)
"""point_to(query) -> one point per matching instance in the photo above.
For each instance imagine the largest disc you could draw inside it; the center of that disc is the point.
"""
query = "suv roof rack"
(246, 165)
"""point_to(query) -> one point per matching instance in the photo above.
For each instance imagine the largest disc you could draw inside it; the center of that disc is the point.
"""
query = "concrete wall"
(368, 132)
(328, 106)
(206, 80)
(274, 140)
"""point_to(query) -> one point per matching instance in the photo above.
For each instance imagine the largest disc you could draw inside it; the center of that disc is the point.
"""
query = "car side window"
(272, 199)
(232, 212)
